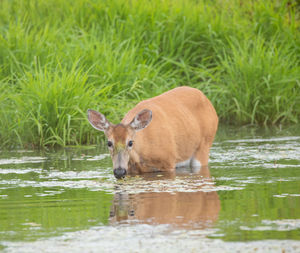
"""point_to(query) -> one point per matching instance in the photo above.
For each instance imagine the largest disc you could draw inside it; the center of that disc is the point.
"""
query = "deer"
(174, 129)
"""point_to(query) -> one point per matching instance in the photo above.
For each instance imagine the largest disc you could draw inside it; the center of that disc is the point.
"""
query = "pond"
(68, 200)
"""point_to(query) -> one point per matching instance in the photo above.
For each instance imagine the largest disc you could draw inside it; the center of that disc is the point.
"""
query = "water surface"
(68, 200)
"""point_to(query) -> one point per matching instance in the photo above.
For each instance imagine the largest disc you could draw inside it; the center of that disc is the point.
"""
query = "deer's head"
(120, 137)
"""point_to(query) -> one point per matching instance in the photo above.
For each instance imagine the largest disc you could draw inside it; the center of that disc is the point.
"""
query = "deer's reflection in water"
(198, 208)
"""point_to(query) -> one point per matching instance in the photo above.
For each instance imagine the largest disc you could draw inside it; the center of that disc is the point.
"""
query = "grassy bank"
(59, 58)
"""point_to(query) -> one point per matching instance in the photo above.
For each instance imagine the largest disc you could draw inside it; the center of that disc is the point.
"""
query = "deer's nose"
(119, 173)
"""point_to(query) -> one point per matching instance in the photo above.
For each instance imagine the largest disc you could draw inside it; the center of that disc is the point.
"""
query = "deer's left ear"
(141, 120)
(98, 120)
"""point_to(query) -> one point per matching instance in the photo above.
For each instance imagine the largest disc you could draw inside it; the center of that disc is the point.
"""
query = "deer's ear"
(141, 120)
(98, 120)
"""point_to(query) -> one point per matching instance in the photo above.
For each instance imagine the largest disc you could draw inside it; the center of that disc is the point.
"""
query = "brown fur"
(184, 124)
(120, 133)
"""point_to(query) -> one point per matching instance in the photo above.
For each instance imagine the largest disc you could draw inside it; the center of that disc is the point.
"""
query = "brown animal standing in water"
(174, 129)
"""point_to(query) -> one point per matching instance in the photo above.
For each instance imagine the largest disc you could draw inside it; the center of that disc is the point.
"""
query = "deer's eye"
(109, 144)
(130, 143)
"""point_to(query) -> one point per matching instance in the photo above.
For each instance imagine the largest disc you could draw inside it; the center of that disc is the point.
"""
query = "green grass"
(59, 58)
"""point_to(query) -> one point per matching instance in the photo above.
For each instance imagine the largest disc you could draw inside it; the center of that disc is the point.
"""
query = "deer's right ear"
(141, 120)
(98, 120)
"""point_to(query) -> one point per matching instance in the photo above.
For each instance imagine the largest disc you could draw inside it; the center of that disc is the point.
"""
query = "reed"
(59, 58)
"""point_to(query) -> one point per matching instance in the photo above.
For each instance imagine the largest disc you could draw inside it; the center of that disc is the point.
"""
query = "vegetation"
(59, 58)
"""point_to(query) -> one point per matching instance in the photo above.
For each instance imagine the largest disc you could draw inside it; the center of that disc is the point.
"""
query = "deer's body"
(182, 129)
(181, 132)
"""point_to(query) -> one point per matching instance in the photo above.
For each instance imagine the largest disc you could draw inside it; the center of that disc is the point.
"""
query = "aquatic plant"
(59, 58)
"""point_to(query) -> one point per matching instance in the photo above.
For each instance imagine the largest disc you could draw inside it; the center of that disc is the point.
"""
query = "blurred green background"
(59, 58)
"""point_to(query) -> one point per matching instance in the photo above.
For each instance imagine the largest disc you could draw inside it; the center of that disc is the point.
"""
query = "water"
(69, 201)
